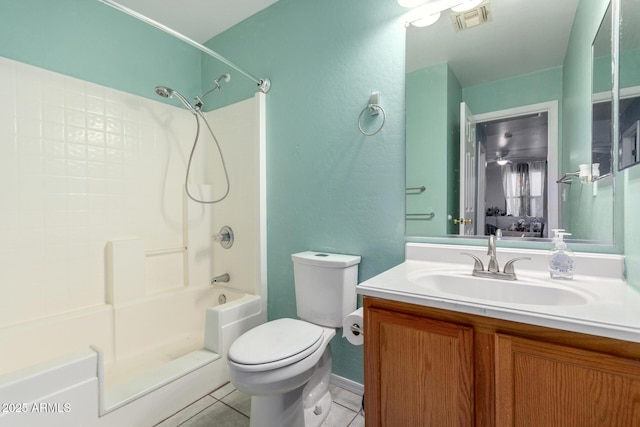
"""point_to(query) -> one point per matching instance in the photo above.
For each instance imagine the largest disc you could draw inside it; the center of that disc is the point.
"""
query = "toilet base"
(317, 399)
(278, 410)
(305, 406)
(314, 417)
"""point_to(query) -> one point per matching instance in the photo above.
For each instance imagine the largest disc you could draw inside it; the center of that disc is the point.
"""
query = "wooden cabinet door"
(540, 384)
(418, 371)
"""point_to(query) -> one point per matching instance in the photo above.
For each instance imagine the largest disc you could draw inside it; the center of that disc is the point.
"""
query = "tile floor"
(228, 407)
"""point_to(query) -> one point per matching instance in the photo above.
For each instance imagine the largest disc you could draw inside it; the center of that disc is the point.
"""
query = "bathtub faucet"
(221, 278)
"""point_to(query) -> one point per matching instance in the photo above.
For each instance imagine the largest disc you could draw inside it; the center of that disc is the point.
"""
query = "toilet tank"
(325, 286)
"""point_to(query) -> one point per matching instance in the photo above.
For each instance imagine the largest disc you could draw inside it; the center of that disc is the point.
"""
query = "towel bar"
(429, 215)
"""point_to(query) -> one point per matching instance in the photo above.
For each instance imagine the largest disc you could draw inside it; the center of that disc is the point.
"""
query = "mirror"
(525, 76)
(629, 82)
(601, 149)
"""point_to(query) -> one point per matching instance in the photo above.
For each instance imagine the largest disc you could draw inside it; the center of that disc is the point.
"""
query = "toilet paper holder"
(356, 329)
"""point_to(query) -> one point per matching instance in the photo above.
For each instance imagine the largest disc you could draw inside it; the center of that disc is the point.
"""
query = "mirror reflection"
(601, 150)
(514, 154)
(629, 104)
(496, 112)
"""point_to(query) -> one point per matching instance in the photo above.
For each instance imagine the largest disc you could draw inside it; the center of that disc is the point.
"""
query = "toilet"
(285, 364)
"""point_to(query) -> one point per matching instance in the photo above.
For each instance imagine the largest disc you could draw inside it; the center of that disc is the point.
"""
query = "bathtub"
(130, 364)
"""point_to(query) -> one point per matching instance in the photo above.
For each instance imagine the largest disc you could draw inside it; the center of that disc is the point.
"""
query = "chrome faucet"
(493, 261)
(221, 278)
(493, 269)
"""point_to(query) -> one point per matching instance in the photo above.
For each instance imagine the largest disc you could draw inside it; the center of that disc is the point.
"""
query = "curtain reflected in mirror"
(524, 188)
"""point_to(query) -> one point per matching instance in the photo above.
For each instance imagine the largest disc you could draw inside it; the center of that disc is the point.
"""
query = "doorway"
(512, 193)
(516, 158)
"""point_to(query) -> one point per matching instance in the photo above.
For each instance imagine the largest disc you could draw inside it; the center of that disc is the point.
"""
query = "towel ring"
(373, 110)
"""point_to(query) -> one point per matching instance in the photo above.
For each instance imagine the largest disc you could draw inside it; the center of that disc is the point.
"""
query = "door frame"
(551, 108)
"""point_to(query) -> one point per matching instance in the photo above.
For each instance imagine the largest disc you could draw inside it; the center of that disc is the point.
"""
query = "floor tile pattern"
(228, 407)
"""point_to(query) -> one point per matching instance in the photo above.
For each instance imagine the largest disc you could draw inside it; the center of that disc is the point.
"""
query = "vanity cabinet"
(433, 367)
(542, 384)
(423, 370)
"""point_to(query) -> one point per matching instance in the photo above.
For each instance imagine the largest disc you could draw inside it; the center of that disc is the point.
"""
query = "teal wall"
(590, 215)
(631, 188)
(329, 188)
(602, 74)
(527, 89)
(433, 116)
(91, 41)
(629, 76)
(629, 66)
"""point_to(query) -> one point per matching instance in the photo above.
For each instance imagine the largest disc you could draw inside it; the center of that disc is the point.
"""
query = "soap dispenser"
(561, 258)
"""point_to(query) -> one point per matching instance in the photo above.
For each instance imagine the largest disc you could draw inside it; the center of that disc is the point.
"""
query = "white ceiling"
(524, 35)
(199, 20)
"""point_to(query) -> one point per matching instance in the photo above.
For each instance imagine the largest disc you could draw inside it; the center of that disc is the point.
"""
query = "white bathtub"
(131, 364)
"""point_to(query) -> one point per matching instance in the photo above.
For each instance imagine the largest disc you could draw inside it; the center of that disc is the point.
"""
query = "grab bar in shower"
(167, 251)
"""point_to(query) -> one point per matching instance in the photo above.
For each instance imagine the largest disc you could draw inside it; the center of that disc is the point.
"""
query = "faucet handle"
(477, 264)
(508, 267)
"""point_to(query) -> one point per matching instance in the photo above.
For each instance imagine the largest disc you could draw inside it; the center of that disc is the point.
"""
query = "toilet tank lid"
(325, 259)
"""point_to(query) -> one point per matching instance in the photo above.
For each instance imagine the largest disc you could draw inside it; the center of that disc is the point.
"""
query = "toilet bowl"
(285, 364)
(284, 384)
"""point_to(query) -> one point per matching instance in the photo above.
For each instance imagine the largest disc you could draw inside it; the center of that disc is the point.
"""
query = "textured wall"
(329, 187)
(590, 216)
(532, 88)
(433, 121)
(92, 41)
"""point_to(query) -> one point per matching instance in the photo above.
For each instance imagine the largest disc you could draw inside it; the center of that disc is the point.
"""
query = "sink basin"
(515, 292)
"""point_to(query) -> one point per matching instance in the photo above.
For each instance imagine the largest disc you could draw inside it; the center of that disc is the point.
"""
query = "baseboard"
(347, 384)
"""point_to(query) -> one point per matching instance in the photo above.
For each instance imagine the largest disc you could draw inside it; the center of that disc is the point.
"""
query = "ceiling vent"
(471, 18)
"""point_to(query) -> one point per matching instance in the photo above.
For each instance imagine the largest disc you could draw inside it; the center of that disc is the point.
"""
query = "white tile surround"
(80, 165)
(101, 250)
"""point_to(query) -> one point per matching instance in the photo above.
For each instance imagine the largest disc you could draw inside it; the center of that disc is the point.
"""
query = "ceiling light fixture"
(429, 12)
(502, 161)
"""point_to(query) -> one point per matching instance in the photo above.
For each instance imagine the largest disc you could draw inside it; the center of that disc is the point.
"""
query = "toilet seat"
(275, 344)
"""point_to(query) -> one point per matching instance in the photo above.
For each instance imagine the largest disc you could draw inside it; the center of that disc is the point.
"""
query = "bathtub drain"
(222, 299)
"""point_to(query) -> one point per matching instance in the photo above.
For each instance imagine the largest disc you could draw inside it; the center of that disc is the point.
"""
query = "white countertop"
(612, 310)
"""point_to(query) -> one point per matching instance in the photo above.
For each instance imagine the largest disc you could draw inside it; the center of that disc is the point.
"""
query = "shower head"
(166, 92)
(225, 77)
(216, 86)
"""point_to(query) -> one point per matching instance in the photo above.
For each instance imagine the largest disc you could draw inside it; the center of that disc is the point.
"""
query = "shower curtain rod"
(264, 83)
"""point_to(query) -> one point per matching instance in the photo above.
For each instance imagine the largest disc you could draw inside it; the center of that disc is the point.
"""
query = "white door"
(467, 171)
(481, 165)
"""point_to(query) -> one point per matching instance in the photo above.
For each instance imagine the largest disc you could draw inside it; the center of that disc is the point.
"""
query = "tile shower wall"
(81, 164)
